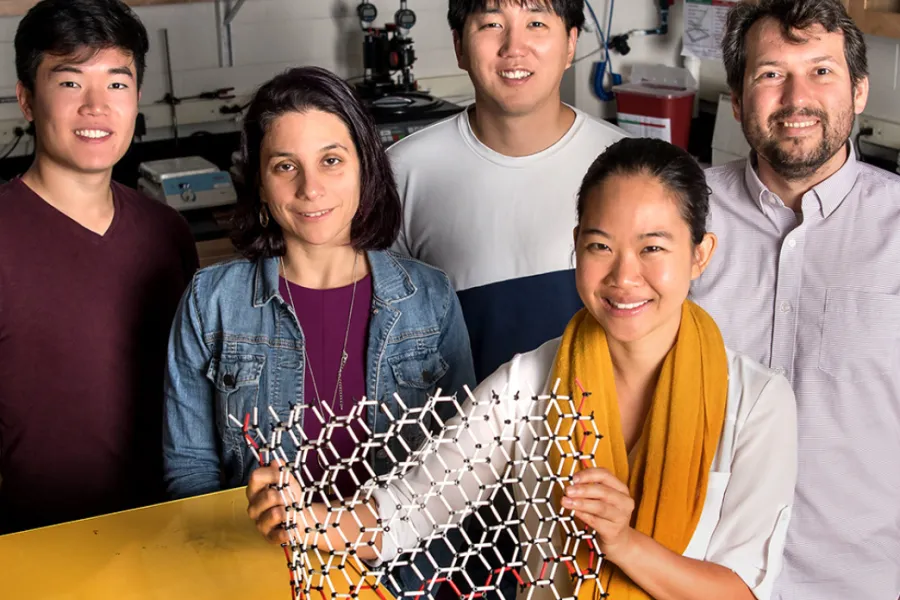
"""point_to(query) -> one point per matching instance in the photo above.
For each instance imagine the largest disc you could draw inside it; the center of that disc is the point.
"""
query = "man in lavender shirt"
(806, 280)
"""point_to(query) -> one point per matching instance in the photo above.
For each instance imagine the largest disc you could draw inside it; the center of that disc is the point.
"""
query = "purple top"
(323, 318)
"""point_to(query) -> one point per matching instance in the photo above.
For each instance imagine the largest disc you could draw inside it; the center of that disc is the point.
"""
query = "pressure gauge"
(404, 18)
(367, 14)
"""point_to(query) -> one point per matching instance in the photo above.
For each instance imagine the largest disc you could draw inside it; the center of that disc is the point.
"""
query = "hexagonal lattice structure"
(493, 444)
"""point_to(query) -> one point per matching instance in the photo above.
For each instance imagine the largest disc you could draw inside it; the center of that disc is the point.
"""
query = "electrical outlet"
(8, 131)
(884, 133)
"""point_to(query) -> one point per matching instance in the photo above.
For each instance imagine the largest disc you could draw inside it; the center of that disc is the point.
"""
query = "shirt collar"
(830, 193)
(391, 282)
(758, 190)
(833, 190)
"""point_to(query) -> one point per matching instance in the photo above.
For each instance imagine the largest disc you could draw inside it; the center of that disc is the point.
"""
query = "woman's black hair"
(673, 167)
(377, 220)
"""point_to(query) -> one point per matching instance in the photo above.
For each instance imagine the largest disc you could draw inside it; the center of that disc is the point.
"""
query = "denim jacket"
(236, 346)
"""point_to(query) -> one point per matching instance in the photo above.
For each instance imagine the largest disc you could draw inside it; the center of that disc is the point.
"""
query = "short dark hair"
(673, 167)
(377, 220)
(792, 15)
(570, 11)
(65, 27)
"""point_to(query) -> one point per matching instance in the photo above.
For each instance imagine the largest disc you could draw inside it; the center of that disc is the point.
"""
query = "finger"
(600, 475)
(260, 479)
(264, 500)
(601, 491)
(604, 528)
(278, 536)
(596, 508)
(271, 524)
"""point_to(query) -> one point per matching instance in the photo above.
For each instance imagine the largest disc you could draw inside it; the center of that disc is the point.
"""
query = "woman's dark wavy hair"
(377, 220)
(673, 167)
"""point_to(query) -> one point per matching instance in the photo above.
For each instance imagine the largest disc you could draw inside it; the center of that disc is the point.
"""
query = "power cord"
(588, 55)
(600, 67)
(619, 43)
(19, 132)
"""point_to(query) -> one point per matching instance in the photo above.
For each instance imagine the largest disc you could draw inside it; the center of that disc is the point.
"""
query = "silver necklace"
(339, 386)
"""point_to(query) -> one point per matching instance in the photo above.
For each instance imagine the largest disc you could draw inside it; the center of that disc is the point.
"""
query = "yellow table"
(199, 548)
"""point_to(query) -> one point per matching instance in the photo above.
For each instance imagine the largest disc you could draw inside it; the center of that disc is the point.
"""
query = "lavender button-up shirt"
(817, 299)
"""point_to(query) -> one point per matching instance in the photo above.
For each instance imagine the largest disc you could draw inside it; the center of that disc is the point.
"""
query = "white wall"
(884, 70)
(268, 37)
(271, 35)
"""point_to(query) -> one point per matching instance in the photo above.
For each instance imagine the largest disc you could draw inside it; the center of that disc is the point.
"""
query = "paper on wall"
(704, 25)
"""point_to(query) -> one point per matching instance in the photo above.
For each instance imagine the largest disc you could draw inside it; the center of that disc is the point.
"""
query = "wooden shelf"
(12, 8)
(876, 17)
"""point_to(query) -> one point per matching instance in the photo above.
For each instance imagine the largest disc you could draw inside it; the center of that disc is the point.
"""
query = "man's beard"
(790, 165)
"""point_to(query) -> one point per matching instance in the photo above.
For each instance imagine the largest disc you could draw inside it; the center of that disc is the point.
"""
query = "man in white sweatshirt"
(489, 195)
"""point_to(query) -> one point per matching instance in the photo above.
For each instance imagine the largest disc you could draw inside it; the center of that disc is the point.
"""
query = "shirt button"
(785, 307)
(792, 242)
(779, 370)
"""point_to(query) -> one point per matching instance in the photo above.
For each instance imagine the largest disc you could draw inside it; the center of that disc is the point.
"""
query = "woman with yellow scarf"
(697, 463)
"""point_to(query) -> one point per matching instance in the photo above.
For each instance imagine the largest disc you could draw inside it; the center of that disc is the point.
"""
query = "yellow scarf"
(680, 435)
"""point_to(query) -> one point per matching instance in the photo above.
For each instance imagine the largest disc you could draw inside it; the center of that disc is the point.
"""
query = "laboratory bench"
(212, 229)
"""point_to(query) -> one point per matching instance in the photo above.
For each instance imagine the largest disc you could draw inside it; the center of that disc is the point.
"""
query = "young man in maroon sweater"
(90, 275)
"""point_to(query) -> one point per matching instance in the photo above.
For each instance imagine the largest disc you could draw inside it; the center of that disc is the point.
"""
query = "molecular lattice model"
(470, 452)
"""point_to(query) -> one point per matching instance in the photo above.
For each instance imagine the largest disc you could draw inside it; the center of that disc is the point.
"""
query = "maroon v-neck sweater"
(84, 324)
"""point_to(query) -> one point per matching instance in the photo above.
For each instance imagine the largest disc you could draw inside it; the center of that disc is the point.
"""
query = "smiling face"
(310, 177)
(516, 55)
(635, 258)
(798, 103)
(83, 110)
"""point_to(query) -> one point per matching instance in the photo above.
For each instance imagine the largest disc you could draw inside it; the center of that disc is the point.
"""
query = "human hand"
(266, 504)
(604, 504)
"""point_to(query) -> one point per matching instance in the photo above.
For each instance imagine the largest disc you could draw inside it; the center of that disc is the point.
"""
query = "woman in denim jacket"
(318, 312)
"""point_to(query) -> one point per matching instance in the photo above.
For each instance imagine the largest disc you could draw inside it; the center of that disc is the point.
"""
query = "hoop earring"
(263, 216)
